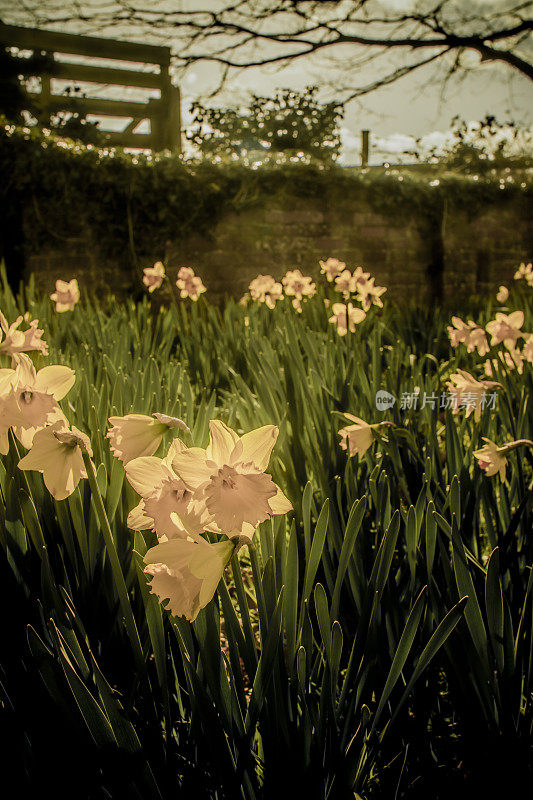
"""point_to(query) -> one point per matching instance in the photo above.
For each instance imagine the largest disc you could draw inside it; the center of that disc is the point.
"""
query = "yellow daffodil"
(168, 506)
(265, 289)
(66, 295)
(524, 271)
(187, 573)
(189, 284)
(512, 359)
(368, 294)
(506, 328)
(469, 393)
(503, 294)
(21, 341)
(331, 268)
(298, 285)
(472, 336)
(8, 407)
(36, 396)
(57, 453)
(230, 477)
(491, 459)
(527, 350)
(138, 435)
(153, 276)
(346, 283)
(346, 317)
(357, 438)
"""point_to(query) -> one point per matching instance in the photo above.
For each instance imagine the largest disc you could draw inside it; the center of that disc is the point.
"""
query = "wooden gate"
(163, 112)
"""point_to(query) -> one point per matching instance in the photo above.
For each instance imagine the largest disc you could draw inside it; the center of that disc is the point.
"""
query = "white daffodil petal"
(280, 504)
(193, 467)
(176, 446)
(8, 378)
(257, 446)
(222, 440)
(62, 465)
(138, 520)
(55, 380)
(145, 473)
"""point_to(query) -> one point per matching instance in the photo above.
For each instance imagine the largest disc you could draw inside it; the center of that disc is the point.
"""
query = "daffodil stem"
(261, 607)
(243, 605)
(118, 575)
(173, 293)
(518, 443)
(39, 542)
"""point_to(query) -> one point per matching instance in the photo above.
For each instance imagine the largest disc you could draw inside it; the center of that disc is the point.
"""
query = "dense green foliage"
(486, 145)
(349, 659)
(290, 123)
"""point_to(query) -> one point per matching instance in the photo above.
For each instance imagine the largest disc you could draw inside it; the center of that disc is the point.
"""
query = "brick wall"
(476, 252)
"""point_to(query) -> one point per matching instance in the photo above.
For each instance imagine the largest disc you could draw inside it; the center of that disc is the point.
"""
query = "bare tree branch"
(240, 34)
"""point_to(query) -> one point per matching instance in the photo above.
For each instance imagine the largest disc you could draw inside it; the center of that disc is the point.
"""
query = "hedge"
(61, 187)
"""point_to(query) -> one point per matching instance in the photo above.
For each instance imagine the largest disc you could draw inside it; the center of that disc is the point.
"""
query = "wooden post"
(170, 113)
(44, 100)
(174, 120)
(365, 147)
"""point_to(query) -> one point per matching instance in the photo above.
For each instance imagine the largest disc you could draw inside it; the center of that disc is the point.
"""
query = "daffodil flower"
(265, 289)
(189, 284)
(230, 477)
(66, 295)
(491, 459)
(21, 341)
(527, 350)
(470, 334)
(368, 294)
(503, 294)
(346, 283)
(469, 392)
(346, 317)
(187, 572)
(167, 506)
(298, 285)
(357, 438)
(331, 268)
(57, 453)
(506, 328)
(36, 396)
(137, 435)
(8, 407)
(524, 271)
(153, 276)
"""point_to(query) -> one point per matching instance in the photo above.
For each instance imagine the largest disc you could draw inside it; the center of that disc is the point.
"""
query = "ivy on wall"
(135, 204)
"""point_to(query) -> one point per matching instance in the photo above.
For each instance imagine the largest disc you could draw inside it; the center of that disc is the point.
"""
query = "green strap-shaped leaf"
(322, 615)
(264, 671)
(431, 538)
(433, 646)
(290, 597)
(494, 606)
(93, 715)
(353, 527)
(315, 553)
(402, 652)
(465, 586)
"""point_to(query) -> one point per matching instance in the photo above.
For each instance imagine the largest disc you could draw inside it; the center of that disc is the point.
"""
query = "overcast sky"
(416, 105)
